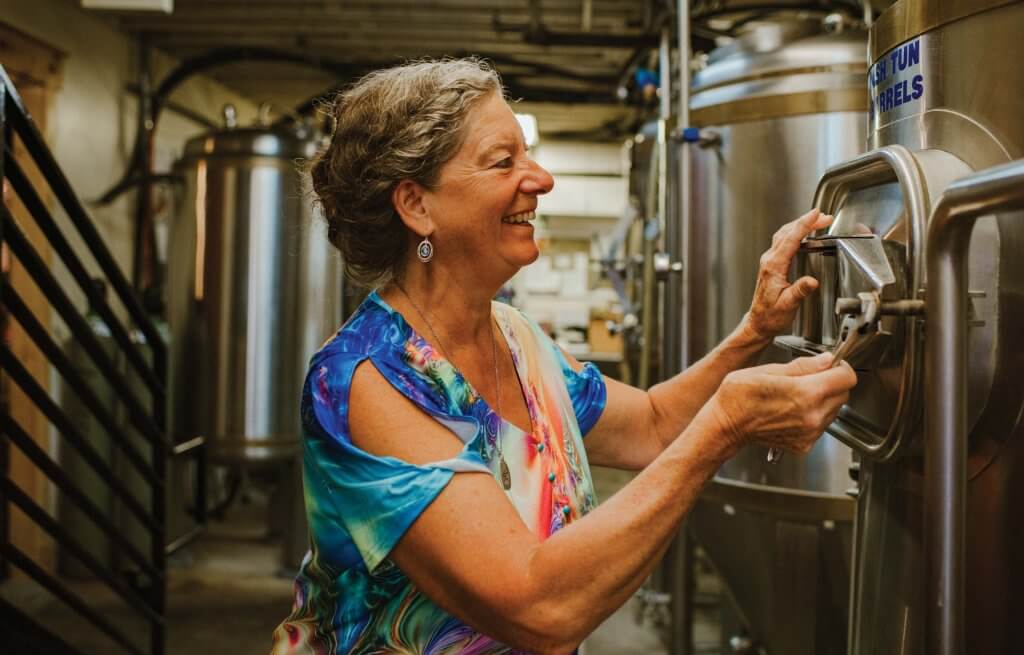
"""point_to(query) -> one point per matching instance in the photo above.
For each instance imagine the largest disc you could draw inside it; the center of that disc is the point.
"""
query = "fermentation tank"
(947, 100)
(254, 289)
(776, 108)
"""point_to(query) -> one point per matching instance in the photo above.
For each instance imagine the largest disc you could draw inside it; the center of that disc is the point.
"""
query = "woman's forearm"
(593, 566)
(677, 400)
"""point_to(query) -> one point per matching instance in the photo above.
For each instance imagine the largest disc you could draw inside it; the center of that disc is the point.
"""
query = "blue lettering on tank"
(878, 73)
(913, 53)
(918, 86)
(901, 91)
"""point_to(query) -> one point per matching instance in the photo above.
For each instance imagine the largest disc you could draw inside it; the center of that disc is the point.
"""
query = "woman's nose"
(537, 180)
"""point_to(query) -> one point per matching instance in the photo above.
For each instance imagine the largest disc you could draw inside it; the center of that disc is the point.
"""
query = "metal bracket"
(663, 265)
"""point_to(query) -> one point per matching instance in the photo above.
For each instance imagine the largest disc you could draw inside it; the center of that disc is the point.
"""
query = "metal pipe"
(665, 73)
(143, 248)
(649, 315)
(680, 249)
(949, 234)
(664, 116)
(681, 555)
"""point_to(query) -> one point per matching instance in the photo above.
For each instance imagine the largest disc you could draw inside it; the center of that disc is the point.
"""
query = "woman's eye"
(504, 163)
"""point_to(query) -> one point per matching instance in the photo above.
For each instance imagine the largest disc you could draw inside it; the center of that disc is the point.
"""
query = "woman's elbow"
(546, 626)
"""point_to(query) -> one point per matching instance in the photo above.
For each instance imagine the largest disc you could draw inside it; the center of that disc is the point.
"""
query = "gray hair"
(394, 124)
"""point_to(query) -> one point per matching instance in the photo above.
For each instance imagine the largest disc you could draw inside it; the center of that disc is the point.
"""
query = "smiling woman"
(396, 124)
(447, 477)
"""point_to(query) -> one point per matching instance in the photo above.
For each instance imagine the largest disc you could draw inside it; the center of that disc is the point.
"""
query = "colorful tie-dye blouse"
(349, 598)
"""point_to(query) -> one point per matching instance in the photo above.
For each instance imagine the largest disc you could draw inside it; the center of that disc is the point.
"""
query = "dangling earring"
(425, 251)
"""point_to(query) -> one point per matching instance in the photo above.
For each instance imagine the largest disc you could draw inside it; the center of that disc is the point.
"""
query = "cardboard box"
(600, 340)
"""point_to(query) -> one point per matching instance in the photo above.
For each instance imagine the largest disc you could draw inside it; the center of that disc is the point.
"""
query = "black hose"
(339, 69)
(190, 67)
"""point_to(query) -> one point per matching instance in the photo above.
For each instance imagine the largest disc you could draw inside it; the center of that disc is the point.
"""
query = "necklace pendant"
(506, 476)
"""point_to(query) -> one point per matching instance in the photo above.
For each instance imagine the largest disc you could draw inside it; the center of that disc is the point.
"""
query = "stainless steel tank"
(254, 289)
(947, 94)
(776, 107)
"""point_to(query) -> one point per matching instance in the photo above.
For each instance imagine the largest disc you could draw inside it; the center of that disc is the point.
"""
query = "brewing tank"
(254, 289)
(947, 95)
(776, 107)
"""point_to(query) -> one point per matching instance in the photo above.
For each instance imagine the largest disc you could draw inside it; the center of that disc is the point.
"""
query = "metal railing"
(990, 191)
(131, 365)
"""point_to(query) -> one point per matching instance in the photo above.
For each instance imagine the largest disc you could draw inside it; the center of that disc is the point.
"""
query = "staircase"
(115, 365)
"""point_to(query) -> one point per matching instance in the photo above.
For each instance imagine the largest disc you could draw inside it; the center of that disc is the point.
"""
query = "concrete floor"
(227, 593)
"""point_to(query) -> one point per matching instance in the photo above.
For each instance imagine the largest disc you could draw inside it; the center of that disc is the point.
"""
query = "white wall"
(91, 122)
(576, 220)
(590, 178)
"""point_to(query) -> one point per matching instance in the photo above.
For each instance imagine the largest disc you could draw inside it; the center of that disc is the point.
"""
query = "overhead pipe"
(997, 189)
(341, 70)
(536, 33)
(544, 36)
(712, 10)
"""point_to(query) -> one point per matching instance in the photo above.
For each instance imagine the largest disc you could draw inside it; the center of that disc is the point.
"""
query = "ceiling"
(548, 51)
(565, 59)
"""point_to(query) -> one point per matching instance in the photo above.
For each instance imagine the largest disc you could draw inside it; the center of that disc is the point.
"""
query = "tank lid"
(906, 19)
(772, 49)
(282, 141)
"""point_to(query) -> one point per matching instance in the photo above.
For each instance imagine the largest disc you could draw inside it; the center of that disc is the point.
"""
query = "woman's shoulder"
(377, 333)
(371, 331)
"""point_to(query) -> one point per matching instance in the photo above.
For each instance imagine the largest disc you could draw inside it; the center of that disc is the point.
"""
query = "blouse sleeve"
(375, 499)
(587, 390)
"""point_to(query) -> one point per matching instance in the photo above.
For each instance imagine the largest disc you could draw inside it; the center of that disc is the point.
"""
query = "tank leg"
(679, 561)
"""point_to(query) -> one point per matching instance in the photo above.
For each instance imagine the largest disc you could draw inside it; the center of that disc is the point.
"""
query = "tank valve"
(702, 137)
(846, 306)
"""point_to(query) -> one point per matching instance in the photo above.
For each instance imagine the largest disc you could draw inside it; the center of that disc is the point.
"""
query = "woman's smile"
(522, 218)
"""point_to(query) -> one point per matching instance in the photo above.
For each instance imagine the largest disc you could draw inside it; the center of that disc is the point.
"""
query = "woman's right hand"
(786, 406)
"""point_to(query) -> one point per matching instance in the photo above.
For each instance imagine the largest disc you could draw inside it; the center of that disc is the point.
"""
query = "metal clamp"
(861, 318)
(663, 266)
(884, 165)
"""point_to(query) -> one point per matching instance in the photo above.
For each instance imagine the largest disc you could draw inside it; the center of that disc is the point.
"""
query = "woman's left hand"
(776, 299)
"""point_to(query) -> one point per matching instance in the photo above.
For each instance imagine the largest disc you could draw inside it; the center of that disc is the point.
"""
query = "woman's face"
(486, 196)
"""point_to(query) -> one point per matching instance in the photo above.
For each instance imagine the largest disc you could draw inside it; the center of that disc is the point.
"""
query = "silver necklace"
(506, 475)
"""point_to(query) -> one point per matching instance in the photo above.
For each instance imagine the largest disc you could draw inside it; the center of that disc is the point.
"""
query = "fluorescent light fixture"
(166, 6)
(528, 122)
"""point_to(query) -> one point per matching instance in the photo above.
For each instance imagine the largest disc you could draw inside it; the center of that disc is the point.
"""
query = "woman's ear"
(407, 197)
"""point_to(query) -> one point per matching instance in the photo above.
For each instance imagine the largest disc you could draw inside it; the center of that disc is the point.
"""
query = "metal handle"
(888, 164)
(862, 315)
(949, 236)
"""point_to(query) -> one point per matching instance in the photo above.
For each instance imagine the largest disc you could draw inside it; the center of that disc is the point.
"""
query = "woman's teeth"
(519, 218)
